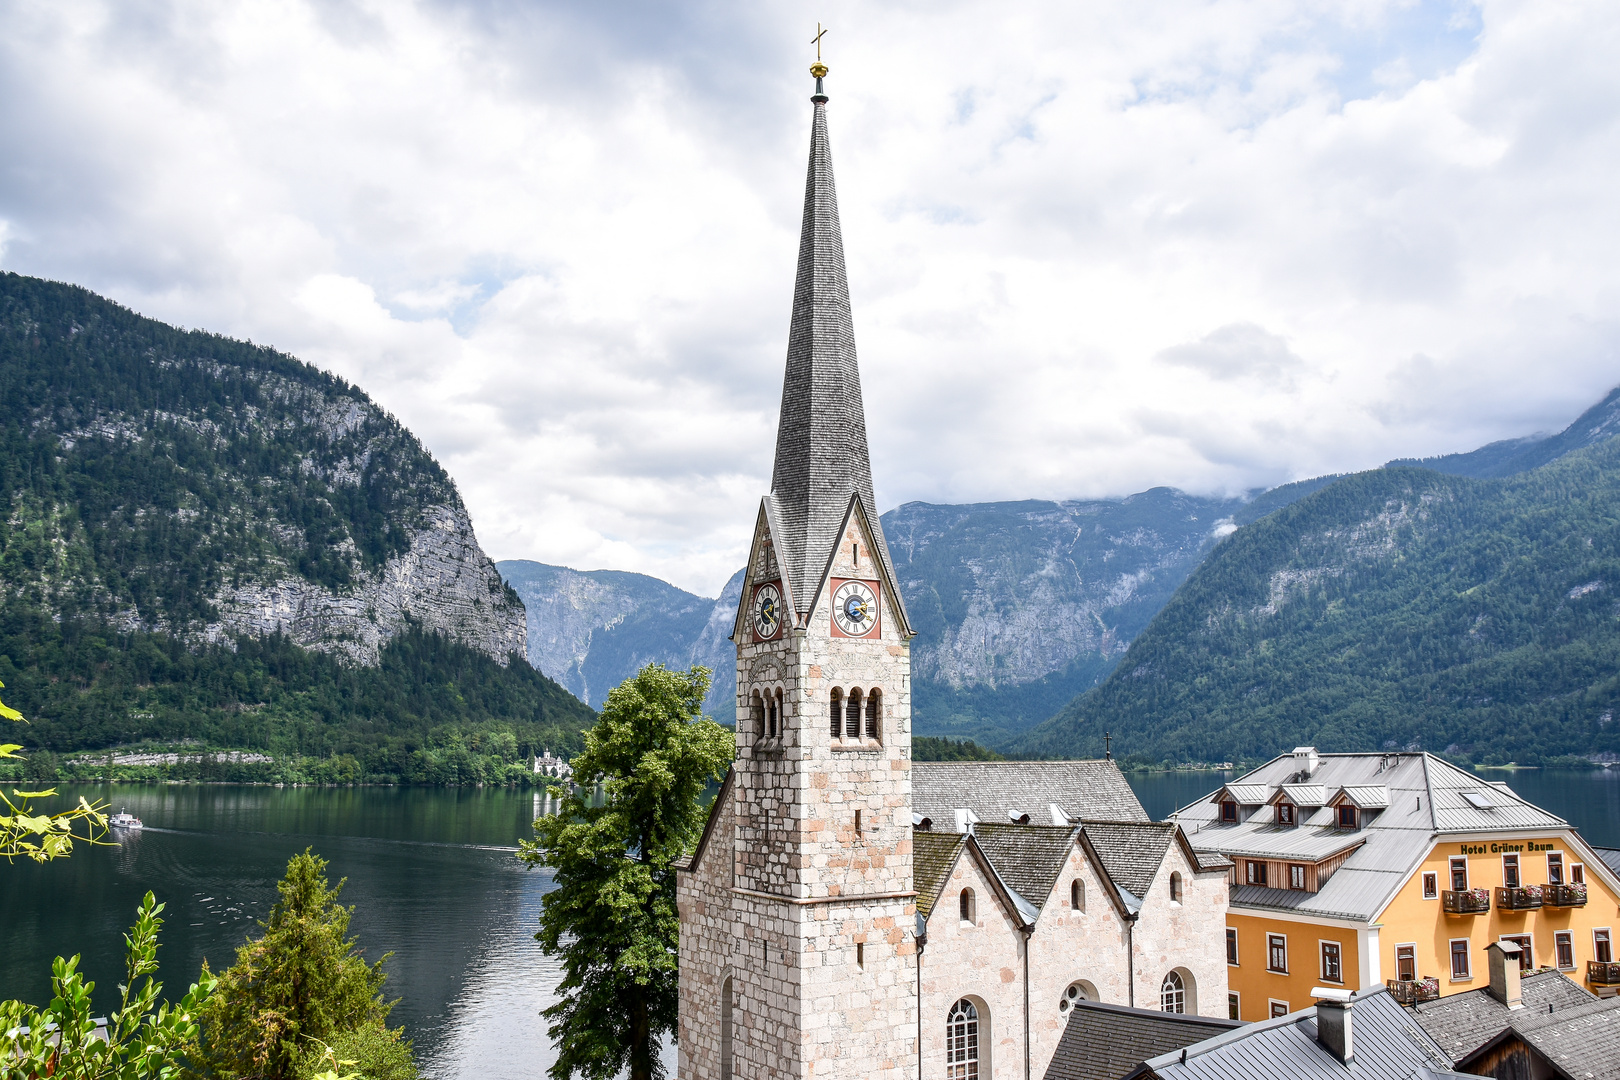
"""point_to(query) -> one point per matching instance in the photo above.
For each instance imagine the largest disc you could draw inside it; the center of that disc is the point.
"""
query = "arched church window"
(1175, 887)
(874, 713)
(1173, 994)
(852, 716)
(966, 907)
(781, 726)
(770, 715)
(1077, 895)
(756, 715)
(962, 1042)
(725, 1029)
(837, 713)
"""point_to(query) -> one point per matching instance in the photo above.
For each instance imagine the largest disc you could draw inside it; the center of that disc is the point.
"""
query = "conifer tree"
(300, 987)
(612, 917)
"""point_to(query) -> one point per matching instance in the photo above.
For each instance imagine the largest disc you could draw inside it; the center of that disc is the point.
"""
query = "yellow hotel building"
(1360, 870)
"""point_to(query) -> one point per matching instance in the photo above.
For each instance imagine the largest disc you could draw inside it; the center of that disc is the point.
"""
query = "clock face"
(767, 611)
(855, 608)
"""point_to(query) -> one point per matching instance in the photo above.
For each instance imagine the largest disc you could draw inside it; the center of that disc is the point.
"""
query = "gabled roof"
(932, 856)
(1388, 1046)
(1131, 851)
(1104, 1042)
(1462, 1023)
(821, 450)
(1302, 794)
(721, 799)
(1362, 796)
(1081, 789)
(1582, 1041)
(1029, 858)
(1243, 794)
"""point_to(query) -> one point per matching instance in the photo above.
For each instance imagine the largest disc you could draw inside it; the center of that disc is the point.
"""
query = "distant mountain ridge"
(1403, 607)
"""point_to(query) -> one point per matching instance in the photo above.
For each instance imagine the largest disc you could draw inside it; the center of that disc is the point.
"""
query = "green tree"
(141, 1038)
(41, 837)
(612, 917)
(302, 985)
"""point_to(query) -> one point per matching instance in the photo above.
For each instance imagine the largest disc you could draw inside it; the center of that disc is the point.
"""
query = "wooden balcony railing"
(1414, 991)
(1564, 895)
(1600, 974)
(1527, 898)
(1465, 901)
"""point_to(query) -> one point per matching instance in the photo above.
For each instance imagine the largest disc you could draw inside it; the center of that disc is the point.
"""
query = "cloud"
(1093, 248)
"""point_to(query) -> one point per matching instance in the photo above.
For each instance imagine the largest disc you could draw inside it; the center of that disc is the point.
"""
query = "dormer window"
(1347, 816)
(1285, 813)
(1228, 812)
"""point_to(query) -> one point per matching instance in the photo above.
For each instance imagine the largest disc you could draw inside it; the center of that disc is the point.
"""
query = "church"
(849, 913)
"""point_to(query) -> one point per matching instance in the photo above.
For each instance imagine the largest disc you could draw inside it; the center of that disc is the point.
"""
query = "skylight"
(1478, 800)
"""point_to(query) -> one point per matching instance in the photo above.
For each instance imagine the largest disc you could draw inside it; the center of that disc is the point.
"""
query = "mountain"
(1398, 608)
(174, 490)
(592, 629)
(1510, 456)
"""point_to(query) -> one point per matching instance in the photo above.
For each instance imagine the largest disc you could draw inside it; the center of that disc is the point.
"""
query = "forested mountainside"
(167, 489)
(1401, 607)
(592, 629)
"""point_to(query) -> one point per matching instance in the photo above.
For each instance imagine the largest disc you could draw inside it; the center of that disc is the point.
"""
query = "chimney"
(1306, 761)
(1333, 1022)
(1504, 960)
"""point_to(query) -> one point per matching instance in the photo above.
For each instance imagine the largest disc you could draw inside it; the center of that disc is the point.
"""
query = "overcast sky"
(1095, 246)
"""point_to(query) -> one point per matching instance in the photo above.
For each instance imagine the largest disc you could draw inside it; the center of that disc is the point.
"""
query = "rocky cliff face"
(592, 629)
(185, 483)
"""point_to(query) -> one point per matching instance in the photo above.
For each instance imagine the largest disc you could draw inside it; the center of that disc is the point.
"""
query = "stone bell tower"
(825, 953)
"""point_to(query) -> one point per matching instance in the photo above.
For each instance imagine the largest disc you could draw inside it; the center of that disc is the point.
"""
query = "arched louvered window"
(756, 715)
(874, 713)
(781, 723)
(962, 1042)
(837, 713)
(852, 716)
(770, 715)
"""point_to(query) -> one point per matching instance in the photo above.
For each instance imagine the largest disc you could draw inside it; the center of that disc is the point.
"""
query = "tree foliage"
(1398, 608)
(299, 988)
(612, 917)
(142, 1038)
(41, 837)
(936, 748)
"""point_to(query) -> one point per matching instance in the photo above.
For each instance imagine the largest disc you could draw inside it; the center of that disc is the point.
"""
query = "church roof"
(1131, 851)
(932, 856)
(1104, 1042)
(1462, 1023)
(1029, 858)
(993, 790)
(821, 454)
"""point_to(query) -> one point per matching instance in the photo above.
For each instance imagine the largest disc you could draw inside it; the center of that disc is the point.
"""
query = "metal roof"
(1388, 1046)
(1244, 794)
(1411, 799)
(1303, 794)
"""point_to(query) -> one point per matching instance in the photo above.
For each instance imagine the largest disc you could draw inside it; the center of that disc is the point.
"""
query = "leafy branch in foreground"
(612, 916)
(42, 837)
(140, 1039)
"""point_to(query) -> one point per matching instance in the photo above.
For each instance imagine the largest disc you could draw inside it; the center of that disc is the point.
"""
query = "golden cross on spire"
(818, 69)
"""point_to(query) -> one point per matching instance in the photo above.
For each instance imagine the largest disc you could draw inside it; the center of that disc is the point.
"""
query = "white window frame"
(1468, 959)
(1560, 936)
(1232, 953)
(1563, 868)
(1431, 877)
(1271, 1007)
(1270, 937)
(1302, 877)
(1234, 1003)
(1399, 945)
(1577, 873)
(1321, 958)
(1608, 939)
(1525, 966)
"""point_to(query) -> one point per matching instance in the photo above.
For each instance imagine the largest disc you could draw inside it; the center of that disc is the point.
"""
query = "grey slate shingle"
(1131, 852)
(932, 856)
(1028, 858)
(821, 452)
(1462, 1023)
(1583, 1041)
(1084, 789)
(1104, 1042)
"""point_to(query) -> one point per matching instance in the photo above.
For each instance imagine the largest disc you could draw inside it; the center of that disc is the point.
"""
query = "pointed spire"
(821, 455)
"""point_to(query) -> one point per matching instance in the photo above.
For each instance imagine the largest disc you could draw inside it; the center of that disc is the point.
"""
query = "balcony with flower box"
(1414, 991)
(1565, 895)
(1466, 901)
(1527, 898)
(1600, 974)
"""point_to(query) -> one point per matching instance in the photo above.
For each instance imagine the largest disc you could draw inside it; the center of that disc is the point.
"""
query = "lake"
(432, 878)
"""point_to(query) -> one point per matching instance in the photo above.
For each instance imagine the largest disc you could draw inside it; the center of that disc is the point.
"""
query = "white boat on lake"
(125, 821)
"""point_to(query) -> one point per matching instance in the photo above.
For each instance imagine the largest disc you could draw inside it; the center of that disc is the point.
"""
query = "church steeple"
(821, 454)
